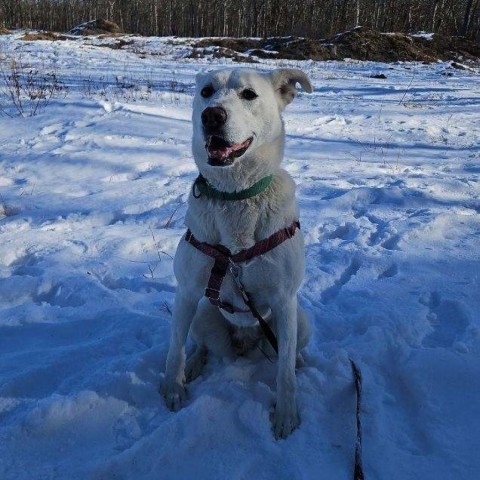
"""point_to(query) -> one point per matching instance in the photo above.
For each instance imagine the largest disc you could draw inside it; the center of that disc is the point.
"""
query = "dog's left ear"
(200, 76)
(284, 81)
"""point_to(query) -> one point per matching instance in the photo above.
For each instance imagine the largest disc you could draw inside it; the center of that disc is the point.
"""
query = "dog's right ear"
(284, 81)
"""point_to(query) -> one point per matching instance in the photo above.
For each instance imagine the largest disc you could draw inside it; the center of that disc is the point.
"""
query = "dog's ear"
(200, 77)
(284, 81)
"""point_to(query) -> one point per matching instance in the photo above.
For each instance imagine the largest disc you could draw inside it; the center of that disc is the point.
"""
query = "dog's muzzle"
(222, 153)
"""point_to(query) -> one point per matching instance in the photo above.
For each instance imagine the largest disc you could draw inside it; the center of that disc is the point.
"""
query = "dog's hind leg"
(195, 363)
(304, 332)
(211, 330)
(304, 329)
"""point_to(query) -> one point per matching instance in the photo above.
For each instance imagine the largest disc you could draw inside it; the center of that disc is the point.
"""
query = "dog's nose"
(214, 117)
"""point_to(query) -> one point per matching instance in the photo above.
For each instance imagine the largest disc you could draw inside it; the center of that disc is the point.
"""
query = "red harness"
(224, 258)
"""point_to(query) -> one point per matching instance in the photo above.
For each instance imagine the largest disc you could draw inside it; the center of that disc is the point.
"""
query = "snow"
(425, 35)
(93, 193)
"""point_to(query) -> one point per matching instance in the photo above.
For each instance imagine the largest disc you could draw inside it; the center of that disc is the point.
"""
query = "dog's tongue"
(219, 149)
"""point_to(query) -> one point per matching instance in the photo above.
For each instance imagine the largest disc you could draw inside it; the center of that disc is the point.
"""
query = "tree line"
(255, 18)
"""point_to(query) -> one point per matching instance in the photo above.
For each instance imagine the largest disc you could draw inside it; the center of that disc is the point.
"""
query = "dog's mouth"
(222, 153)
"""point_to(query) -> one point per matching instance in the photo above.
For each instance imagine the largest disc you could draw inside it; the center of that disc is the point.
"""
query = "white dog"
(243, 242)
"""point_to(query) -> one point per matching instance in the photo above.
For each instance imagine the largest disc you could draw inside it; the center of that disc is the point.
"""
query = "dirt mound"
(237, 44)
(364, 44)
(96, 27)
(452, 48)
(359, 43)
(235, 48)
(289, 48)
(292, 48)
(221, 52)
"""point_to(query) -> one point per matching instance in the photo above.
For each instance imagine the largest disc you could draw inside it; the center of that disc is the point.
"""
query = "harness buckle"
(227, 307)
(212, 292)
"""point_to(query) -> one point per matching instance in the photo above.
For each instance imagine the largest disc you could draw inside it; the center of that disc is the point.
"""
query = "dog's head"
(237, 123)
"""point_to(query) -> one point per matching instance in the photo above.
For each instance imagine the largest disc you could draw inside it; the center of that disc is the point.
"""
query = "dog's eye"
(249, 94)
(207, 91)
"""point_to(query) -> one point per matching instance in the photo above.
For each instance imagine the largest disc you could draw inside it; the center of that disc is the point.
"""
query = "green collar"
(202, 187)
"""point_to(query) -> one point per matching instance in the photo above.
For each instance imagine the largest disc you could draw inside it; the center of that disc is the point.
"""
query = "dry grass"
(118, 45)
(32, 36)
(24, 90)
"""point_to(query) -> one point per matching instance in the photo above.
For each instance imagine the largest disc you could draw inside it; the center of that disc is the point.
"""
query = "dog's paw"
(285, 420)
(175, 395)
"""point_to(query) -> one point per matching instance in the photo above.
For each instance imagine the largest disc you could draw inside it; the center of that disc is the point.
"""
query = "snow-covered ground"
(93, 193)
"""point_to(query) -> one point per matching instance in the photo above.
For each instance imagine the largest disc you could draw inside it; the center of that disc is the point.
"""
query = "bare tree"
(313, 18)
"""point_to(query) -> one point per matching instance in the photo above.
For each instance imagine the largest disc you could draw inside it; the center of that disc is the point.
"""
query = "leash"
(358, 467)
(224, 260)
(267, 331)
(357, 374)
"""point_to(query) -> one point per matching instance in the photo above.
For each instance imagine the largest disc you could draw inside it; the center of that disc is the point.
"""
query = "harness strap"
(223, 258)
(267, 244)
(212, 292)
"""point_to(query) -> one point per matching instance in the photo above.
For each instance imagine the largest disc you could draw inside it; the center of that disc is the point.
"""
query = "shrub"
(24, 90)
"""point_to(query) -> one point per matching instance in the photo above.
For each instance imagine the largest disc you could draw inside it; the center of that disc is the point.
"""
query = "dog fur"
(272, 279)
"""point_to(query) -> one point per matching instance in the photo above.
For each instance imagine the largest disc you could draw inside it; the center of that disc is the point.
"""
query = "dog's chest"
(236, 228)
(239, 226)
(233, 225)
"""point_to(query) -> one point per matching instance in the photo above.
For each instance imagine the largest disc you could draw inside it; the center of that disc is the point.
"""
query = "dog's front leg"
(285, 417)
(172, 387)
